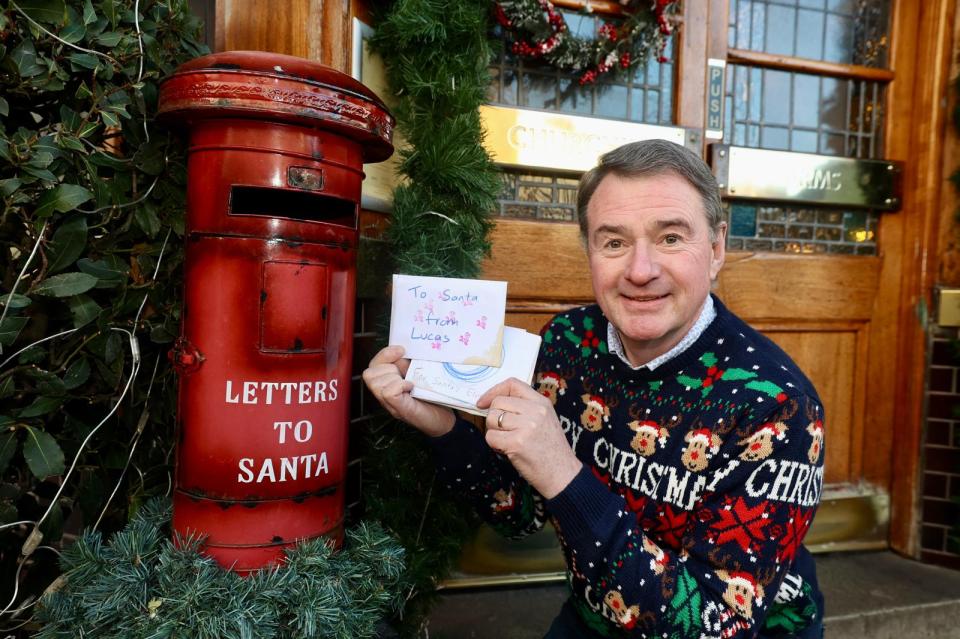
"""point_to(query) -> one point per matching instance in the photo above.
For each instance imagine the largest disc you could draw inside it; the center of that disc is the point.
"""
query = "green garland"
(142, 585)
(437, 55)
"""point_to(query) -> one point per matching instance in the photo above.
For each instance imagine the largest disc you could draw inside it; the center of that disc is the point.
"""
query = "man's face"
(651, 259)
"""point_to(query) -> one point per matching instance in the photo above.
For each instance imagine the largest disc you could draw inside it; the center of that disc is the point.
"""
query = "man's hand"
(523, 425)
(384, 378)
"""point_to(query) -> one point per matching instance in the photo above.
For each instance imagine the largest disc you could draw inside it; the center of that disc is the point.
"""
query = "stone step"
(879, 595)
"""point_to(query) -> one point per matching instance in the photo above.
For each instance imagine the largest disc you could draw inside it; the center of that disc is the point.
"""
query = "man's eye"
(672, 238)
(614, 244)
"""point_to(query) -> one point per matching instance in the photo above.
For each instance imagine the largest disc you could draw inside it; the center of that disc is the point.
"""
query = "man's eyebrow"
(674, 222)
(613, 229)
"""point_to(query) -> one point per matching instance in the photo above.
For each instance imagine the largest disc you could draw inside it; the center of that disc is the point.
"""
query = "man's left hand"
(523, 425)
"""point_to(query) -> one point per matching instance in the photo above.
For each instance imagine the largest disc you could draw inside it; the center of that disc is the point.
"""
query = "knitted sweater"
(700, 480)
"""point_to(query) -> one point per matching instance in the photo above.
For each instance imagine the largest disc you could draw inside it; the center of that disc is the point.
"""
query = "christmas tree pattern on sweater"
(700, 480)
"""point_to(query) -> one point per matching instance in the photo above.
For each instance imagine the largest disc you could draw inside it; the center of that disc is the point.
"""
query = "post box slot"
(292, 204)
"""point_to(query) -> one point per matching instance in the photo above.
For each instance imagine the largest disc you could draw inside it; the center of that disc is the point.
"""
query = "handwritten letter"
(443, 319)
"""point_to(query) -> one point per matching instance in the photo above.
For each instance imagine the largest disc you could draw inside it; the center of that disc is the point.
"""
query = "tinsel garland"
(436, 55)
(540, 32)
(143, 585)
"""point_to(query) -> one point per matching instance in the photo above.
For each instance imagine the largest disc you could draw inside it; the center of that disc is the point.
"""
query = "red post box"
(276, 152)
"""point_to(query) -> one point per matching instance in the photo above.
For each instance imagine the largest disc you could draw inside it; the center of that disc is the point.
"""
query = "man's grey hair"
(650, 158)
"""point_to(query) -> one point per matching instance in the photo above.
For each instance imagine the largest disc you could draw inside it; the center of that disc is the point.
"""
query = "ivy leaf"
(77, 374)
(66, 285)
(107, 276)
(110, 119)
(83, 310)
(73, 32)
(8, 446)
(62, 198)
(10, 328)
(83, 60)
(42, 453)
(88, 128)
(147, 219)
(68, 243)
(9, 186)
(89, 14)
(110, 39)
(41, 406)
(25, 59)
(15, 300)
(48, 11)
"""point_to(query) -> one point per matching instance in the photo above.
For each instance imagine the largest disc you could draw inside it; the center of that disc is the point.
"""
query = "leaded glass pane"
(792, 111)
(842, 31)
(792, 229)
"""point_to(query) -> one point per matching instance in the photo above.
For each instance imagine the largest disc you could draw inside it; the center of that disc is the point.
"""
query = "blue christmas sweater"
(699, 481)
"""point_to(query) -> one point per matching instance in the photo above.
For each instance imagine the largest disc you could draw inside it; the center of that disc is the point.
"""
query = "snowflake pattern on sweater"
(700, 480)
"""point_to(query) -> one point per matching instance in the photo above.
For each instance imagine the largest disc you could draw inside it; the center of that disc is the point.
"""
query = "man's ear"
(718, 250)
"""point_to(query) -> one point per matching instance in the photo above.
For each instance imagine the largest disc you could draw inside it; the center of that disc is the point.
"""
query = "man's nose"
(643, 265)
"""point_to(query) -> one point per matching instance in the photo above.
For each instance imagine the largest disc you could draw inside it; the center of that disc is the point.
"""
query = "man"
(682, 462)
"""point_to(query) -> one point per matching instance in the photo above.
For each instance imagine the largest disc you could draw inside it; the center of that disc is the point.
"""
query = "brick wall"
(940, 482)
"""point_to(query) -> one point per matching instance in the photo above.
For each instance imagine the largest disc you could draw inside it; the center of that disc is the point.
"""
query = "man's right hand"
(384, 378)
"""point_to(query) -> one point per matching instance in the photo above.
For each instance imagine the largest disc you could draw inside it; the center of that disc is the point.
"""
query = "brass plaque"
(760, 174)
(545, 140)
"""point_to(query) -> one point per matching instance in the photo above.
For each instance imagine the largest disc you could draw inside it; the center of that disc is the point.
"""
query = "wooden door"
(837, 289)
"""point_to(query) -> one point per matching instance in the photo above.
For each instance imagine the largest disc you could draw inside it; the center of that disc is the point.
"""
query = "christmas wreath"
(539, 31)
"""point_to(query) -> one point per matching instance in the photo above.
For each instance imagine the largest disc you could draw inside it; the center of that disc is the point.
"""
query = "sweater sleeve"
(711, 571)
(501, 497)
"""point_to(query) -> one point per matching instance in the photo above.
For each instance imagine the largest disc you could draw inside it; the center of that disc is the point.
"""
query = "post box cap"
(283, 88)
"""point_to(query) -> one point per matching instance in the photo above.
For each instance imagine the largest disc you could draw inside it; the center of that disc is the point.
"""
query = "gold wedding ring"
(500, 419)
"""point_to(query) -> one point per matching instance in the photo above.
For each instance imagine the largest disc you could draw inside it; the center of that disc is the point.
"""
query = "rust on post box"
(275, 164)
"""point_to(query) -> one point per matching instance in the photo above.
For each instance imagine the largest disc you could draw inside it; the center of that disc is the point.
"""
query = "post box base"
(245, 536)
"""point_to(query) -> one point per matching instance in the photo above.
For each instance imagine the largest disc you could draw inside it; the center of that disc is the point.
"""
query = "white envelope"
(461, 385)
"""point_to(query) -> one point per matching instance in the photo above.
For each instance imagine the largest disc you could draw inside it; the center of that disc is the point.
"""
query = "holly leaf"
(708, 359)
(769, 388)
(66, 285)
(68, 243)
(734, 374)
(691, 382)
(8, 446)
(62, 198)
(43, 454)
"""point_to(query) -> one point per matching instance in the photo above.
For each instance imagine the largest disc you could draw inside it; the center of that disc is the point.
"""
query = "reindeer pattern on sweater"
(700, 480)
